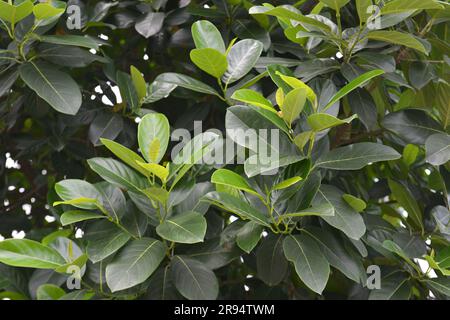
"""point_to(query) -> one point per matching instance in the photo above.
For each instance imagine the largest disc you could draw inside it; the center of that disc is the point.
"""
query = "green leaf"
(118, 174)
(337, 254)
(407, 201)
(302, 139)
(29, 254)
(150, 24)
(253, 98)
(323, 121)
(73, 189)
(398, 38)
(241, 59)
(437, 148)
(362, 8)
(398, 6)
(15, 13)
(310, 264)
(287, 183)
(356, 156)
(126, 155)
(49, 292)
(345, 218)
(153, 127)
(186, 82)
(74, 216)
(353, 85)
(193, 280)
(71, 40)
(155, 169)
(335, 4)
(293, 104)
(410, 153)
(139, 83)
(103, 239)
(321, 210)
(189, 227)
(127, 90)
(55, 87)
(43, 11)
(295, 83)
(412, 126)
(135, 263)
(441, 285)
(393, 287)
(271, 264)
(229, 178)
(249, 236)
(206, 35)
(354, 202)
(210, 60)
(237, 206)
(282, 12)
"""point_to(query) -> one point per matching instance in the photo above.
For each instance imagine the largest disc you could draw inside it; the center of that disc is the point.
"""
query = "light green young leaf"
(232, 179)
(399, 38)
(287, 183)
(210, 60)
(139, 83)
(43, 11)
(323, 121)
(49, 292)
(126, 155)
(335, 4)
(397, 6)
(15, 13)
(293, 104)
(410, 153)
(153, 136)
(254, 98)
(356, 203)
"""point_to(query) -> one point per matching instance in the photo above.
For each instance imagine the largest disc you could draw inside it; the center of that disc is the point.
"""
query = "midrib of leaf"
(307, 261)
(336, 210)
(181, 227)
(140, 256)
(232, 73)
(49, 84)
(193, 276)
(22, 256)
(396, 289)
(273, 252)
(440, 150)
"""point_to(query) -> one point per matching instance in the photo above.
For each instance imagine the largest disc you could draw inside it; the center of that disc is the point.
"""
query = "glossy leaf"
(134, 263)
(357, 156)
(189, 227)
(310, 264)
